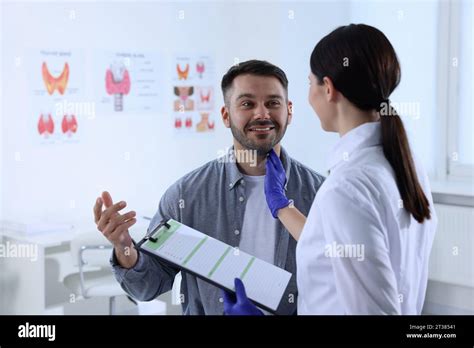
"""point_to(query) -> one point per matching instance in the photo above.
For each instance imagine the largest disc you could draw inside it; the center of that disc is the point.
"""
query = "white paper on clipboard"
(218, 262)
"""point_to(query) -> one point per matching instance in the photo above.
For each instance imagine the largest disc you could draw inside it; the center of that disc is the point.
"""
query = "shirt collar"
(363, 136)
(234, 174)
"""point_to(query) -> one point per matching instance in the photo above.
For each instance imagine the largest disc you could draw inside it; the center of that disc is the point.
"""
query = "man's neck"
(248, 162)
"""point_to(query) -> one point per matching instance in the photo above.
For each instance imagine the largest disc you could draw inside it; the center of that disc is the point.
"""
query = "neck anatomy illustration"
(117, 83)
(200, 68)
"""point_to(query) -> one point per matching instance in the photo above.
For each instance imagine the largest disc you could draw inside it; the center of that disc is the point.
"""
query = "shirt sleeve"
(358, 248)
(150, 277)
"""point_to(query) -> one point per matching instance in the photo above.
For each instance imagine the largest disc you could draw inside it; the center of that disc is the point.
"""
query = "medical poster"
(128, 81)
(193, 90)
(56, 83)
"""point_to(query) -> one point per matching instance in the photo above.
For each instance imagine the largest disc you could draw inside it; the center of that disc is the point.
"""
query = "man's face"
(257, 112)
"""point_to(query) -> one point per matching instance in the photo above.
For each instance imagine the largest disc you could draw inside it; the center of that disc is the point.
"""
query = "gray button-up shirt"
(208, 199)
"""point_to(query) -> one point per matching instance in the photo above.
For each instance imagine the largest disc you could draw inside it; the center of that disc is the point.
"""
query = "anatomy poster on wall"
(57, 88)
(193, 94)
(128, 81)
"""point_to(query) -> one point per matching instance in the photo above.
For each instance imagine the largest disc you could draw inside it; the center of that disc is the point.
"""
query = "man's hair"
(252, 67)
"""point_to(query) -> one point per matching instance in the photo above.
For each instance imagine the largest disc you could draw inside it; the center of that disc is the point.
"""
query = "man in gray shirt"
(224, 198)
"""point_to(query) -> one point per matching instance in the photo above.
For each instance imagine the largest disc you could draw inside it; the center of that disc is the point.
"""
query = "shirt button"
(221, 299)
(236, 232)
(241, 198)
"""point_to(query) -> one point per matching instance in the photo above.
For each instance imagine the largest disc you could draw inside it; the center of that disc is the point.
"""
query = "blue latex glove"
(275, 179)
(239, 304)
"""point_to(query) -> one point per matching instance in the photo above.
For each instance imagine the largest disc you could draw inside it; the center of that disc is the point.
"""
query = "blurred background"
(90, 95)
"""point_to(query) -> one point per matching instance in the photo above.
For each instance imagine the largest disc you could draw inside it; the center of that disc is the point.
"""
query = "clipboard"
(216, 262)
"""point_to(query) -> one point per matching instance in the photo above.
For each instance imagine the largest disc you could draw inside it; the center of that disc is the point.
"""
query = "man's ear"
(290, 111)
(329, 90)
(225, 116)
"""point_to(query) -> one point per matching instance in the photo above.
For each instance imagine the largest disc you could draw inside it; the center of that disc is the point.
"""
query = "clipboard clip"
(163, 222)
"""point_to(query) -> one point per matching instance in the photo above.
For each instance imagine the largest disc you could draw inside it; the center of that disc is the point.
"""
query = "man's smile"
(261, 129)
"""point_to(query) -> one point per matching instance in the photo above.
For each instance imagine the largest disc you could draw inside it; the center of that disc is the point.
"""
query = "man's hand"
(275, 180)
(239, 304)
(114, 226)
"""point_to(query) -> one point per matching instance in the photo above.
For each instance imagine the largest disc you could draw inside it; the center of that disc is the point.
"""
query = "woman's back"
(360, 251)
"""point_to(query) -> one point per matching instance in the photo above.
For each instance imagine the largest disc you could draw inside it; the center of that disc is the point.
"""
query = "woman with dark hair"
(364, 248)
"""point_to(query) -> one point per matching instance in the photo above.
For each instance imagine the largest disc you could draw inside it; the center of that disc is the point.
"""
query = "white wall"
(60, 183)
(411, 27)
(312, 21)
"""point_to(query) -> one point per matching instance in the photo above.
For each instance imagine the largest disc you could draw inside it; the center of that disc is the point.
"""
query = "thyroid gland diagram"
(69, 125)
(117, 83)
(182, 73)
(188, 122)
(52, 83)
(45, 125)
(184, 103)
(205, 98)
(200, 68)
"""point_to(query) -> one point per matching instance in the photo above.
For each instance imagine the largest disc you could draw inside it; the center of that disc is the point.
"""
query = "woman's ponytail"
(397, 151)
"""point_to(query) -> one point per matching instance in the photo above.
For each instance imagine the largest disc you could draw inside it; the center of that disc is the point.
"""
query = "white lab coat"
(360, 252)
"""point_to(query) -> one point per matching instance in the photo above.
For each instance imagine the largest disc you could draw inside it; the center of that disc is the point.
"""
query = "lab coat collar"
(234, 174)
(363, 136)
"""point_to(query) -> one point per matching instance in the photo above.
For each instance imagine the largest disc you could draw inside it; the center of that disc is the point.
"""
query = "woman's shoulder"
(366, 180)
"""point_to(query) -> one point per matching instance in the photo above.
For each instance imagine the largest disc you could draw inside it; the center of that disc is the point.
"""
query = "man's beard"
(264, 147)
